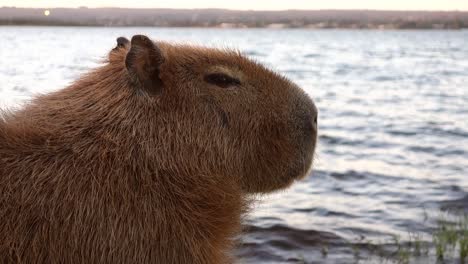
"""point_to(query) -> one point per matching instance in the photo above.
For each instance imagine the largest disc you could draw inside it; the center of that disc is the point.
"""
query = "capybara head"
(217, 112)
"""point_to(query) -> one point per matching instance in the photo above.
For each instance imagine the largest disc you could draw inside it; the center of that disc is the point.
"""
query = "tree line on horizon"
(234, 18)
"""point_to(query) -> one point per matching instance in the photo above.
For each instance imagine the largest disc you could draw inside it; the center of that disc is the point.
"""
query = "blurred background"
(390, 79)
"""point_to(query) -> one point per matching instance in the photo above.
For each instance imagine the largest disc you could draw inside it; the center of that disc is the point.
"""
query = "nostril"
(315, 120)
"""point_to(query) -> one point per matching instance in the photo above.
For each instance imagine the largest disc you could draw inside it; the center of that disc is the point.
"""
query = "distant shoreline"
(235, 28)
(221, 18)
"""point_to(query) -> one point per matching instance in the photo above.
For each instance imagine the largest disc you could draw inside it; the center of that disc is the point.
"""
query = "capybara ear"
(122, 42)
(143, 63)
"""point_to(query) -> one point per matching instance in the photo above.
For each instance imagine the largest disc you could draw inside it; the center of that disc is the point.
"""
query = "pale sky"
(252, 4)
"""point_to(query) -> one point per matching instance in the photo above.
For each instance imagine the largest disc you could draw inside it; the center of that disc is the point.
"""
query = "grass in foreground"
(449, 244)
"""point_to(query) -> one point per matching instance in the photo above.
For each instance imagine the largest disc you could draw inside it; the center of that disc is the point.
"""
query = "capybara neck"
(150, 158)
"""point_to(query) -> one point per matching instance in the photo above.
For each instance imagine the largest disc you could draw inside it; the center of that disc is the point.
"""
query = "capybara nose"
(315, 118)
(308, 122)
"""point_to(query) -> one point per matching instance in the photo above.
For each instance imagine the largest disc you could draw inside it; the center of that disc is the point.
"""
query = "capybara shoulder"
(150, 158)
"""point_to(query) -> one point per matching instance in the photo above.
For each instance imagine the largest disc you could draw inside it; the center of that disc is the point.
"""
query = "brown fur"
(109, 171)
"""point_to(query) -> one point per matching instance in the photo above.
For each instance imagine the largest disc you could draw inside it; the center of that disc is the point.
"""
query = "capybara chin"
(150, 158)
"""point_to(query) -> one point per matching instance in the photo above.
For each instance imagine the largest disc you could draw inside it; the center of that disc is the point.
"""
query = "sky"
(250, 4)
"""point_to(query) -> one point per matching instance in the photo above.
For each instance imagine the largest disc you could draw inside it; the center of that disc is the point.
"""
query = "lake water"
(393, 129)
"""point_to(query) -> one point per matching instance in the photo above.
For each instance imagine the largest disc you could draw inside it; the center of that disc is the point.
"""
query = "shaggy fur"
(143, 161)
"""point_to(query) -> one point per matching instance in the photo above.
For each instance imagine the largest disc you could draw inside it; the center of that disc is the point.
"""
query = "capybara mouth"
(307, 168)
(304, 165)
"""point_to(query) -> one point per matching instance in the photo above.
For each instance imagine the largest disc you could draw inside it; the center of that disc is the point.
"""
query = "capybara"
(151, 158)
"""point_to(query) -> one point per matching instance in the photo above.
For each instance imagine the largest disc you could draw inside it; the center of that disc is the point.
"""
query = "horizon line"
(244, 10)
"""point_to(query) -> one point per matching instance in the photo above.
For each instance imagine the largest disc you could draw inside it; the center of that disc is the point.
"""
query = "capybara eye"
(222, 80)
